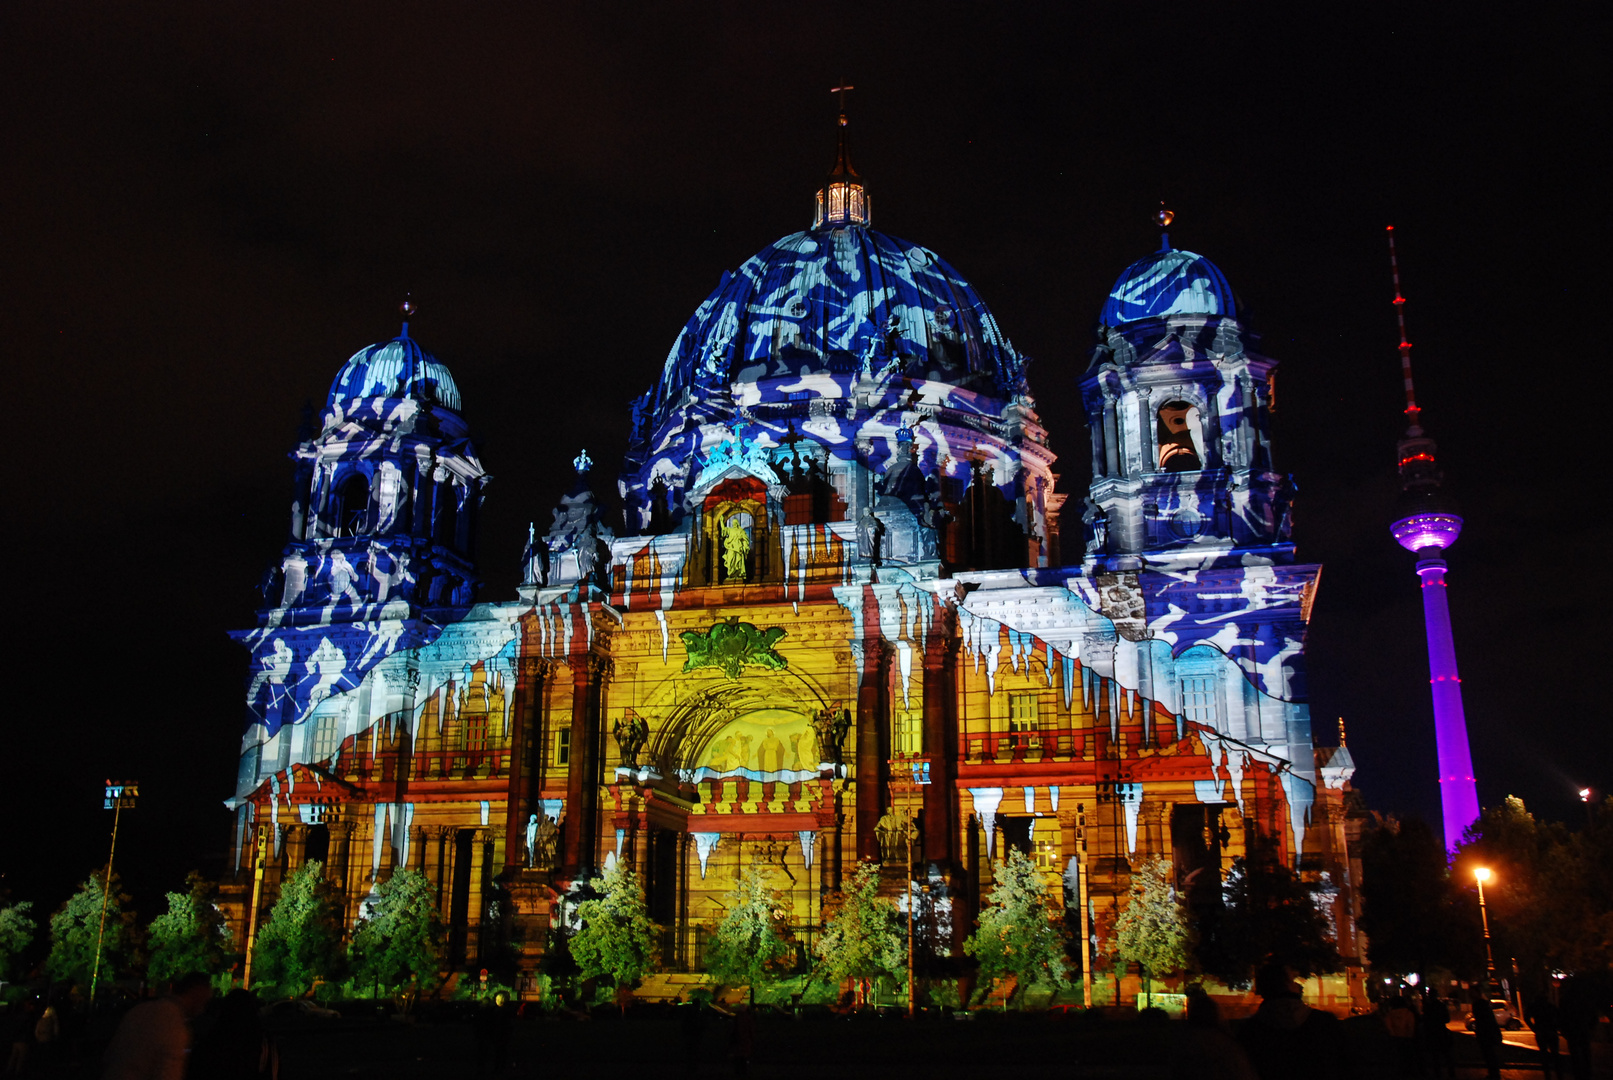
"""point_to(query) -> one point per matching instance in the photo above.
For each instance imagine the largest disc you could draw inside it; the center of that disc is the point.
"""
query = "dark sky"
(207, 211)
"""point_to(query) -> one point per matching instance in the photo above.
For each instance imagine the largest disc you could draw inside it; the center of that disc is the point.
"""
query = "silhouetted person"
(21, 1019)
(692, 1026)
(1488, 1033)
(1578, 1010)
(1206, 1050)
(236, 1047)
(1287, 1039)
(742, 1041)
(1435, 1034)
(494, 1024)
(1544, 1021)
(153, 1039)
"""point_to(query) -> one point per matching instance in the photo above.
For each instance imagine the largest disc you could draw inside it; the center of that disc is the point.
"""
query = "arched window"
(353, 505)
(1178, 431)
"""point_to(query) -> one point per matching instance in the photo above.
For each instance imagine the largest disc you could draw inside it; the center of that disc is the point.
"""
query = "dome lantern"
(843, 199)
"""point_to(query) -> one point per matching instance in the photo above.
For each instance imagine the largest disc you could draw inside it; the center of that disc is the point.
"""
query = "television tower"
(1427, 524)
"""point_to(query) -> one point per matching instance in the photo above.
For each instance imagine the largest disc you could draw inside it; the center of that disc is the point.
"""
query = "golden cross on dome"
(841, 90)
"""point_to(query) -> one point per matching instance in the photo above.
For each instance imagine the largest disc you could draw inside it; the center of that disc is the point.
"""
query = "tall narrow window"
(1198, 699)
(562, 747)
(1024, 714)
(354, 512)
(326, 738)
(1177, 433)
(476, 731)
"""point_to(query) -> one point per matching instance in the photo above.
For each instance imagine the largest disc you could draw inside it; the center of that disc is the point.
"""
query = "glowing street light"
(1481, 874)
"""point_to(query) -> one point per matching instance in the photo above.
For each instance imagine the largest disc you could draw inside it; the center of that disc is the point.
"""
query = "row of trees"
(1550, 896)
(298, 946)
(1267, 914)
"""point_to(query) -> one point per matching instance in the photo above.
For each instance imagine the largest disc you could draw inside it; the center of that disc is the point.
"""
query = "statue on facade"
(630, 732)
(735, 548)
(540, 837)
(894, 834)
(870, 537)
(534, 559)
(830, 725)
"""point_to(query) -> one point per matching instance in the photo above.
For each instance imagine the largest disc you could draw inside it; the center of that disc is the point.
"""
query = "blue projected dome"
(394, 369)
(836, 301)
(1168, 283)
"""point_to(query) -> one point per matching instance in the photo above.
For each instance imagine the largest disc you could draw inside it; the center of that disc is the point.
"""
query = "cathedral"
(836, 613)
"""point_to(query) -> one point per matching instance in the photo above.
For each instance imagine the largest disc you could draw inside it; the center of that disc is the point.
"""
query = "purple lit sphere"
(1427, 531)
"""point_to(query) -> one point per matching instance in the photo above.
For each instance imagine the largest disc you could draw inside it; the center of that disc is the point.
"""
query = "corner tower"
(1178, 400)
(377, 559)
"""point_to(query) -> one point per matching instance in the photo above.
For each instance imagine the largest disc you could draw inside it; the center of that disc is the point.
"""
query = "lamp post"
(1481, 874)
(119, 797)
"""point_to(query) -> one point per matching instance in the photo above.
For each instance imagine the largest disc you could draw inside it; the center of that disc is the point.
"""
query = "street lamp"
(1481, 874)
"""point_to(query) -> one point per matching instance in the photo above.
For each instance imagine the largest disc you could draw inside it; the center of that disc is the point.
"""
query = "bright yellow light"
(1482, 873)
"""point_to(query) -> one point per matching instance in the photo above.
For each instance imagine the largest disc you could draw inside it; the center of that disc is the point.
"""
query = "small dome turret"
(1168, 282)
(399, 368)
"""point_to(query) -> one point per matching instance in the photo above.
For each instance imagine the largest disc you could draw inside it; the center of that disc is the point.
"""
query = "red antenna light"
(1405, 346)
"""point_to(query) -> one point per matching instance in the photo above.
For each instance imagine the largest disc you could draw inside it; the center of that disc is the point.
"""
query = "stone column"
(589, 674)
(873, 733)
(941, 739)
(532, 675)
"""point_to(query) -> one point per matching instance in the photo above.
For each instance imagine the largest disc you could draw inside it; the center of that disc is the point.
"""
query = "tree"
(1019, 934)
(401, 937)
(1408, 906)
(753, 941)
(75, 927)
(617, 938)
(1550, 895)
(1153, 931)
(302, 940)
(190, 936)
(1268, 915)
(17, 929)
(865, 937)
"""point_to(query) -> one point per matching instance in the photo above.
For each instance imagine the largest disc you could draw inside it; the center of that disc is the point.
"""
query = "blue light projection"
(1168, 283)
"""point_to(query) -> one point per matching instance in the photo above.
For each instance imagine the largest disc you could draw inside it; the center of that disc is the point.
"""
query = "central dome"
(846, 302)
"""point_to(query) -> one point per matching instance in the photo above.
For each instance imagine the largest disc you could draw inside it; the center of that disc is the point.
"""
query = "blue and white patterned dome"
(836, 301)
(394, 369)
(1168, 283)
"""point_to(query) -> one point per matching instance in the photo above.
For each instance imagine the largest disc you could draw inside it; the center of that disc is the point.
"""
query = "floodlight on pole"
(118, 797)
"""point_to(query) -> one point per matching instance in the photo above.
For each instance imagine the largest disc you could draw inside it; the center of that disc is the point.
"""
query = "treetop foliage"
(752, 942)
(302, 939)
(1153, 931)
(865, 937)
(1019, 933)
(617, 939)
(400, 939)
(191, 935)
(76, 925)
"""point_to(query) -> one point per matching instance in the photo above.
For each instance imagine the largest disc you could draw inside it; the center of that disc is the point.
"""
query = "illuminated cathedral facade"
(843, 616)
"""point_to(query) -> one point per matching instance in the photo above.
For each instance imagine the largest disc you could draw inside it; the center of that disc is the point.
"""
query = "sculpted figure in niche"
(735, 548)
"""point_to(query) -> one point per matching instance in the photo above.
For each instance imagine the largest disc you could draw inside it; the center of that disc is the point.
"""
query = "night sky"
(206, 211)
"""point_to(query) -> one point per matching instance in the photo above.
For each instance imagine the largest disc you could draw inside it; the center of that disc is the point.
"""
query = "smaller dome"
(1168, 283)
(395, 369)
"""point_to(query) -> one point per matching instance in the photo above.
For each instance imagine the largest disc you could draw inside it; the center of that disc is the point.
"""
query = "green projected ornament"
(731, 645)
